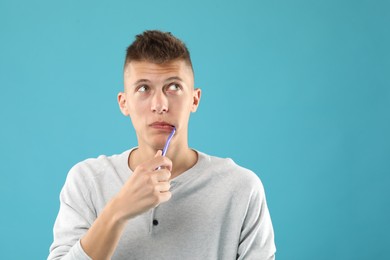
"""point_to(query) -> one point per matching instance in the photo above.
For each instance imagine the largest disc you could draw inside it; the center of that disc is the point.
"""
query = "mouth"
(162, 125)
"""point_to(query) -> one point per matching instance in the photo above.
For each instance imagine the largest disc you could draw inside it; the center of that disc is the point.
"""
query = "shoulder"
(92, 168)
(232, 173)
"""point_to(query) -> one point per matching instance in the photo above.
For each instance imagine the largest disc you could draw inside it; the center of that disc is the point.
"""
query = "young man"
(142, 205)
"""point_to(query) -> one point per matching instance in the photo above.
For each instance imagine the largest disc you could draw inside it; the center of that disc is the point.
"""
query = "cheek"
(137, 109)
(178, 106)
(182, 109)
(184, 102)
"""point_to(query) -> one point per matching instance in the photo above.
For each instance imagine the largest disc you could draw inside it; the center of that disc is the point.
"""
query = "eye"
(142, 88)
(173, 87)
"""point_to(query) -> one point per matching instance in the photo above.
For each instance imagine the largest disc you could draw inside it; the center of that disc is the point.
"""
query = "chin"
(154, 141)
(158, 143)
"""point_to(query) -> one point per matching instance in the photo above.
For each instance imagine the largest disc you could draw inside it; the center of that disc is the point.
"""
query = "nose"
(159, 103)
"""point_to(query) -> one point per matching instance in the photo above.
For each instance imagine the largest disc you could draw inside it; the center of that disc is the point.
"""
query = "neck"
(182, 157)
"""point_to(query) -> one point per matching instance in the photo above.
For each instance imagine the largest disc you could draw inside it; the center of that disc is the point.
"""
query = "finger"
(163, 186)
(159, 153)
(162, 175)
(165, 196)
(159, 161)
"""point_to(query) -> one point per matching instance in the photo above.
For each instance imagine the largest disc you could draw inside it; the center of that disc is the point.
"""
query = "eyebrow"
(173, 78)
(141, 81)
(148, 81)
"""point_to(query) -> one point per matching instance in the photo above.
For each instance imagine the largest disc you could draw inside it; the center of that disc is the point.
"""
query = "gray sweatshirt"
(218, 210)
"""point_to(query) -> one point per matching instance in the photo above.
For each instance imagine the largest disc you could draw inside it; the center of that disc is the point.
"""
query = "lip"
(162, 125)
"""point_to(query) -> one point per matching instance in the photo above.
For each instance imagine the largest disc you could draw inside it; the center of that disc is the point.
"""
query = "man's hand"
(146, 188)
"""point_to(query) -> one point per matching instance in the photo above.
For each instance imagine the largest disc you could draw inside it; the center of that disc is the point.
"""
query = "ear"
(122, 103)
(196, 99)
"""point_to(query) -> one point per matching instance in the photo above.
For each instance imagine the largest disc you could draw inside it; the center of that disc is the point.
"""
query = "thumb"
(159, 153)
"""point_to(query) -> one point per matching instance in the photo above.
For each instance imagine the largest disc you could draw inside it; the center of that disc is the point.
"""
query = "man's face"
(157, 98)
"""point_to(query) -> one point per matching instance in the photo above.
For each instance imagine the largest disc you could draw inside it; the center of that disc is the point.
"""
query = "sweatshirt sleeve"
(74, 218)
(257, 235)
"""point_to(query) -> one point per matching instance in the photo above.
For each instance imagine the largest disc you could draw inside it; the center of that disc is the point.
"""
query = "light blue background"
(298, 91)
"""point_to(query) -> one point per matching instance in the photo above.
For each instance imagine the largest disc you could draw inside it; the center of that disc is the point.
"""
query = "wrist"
(115, 211)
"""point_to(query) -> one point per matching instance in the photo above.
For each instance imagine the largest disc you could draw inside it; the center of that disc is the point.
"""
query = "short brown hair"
(157, 47)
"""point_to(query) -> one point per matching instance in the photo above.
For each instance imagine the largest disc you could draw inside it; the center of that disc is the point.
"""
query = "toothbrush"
(164, 151)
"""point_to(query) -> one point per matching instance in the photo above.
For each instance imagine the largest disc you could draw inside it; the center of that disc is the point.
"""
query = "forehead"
(136, 70)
